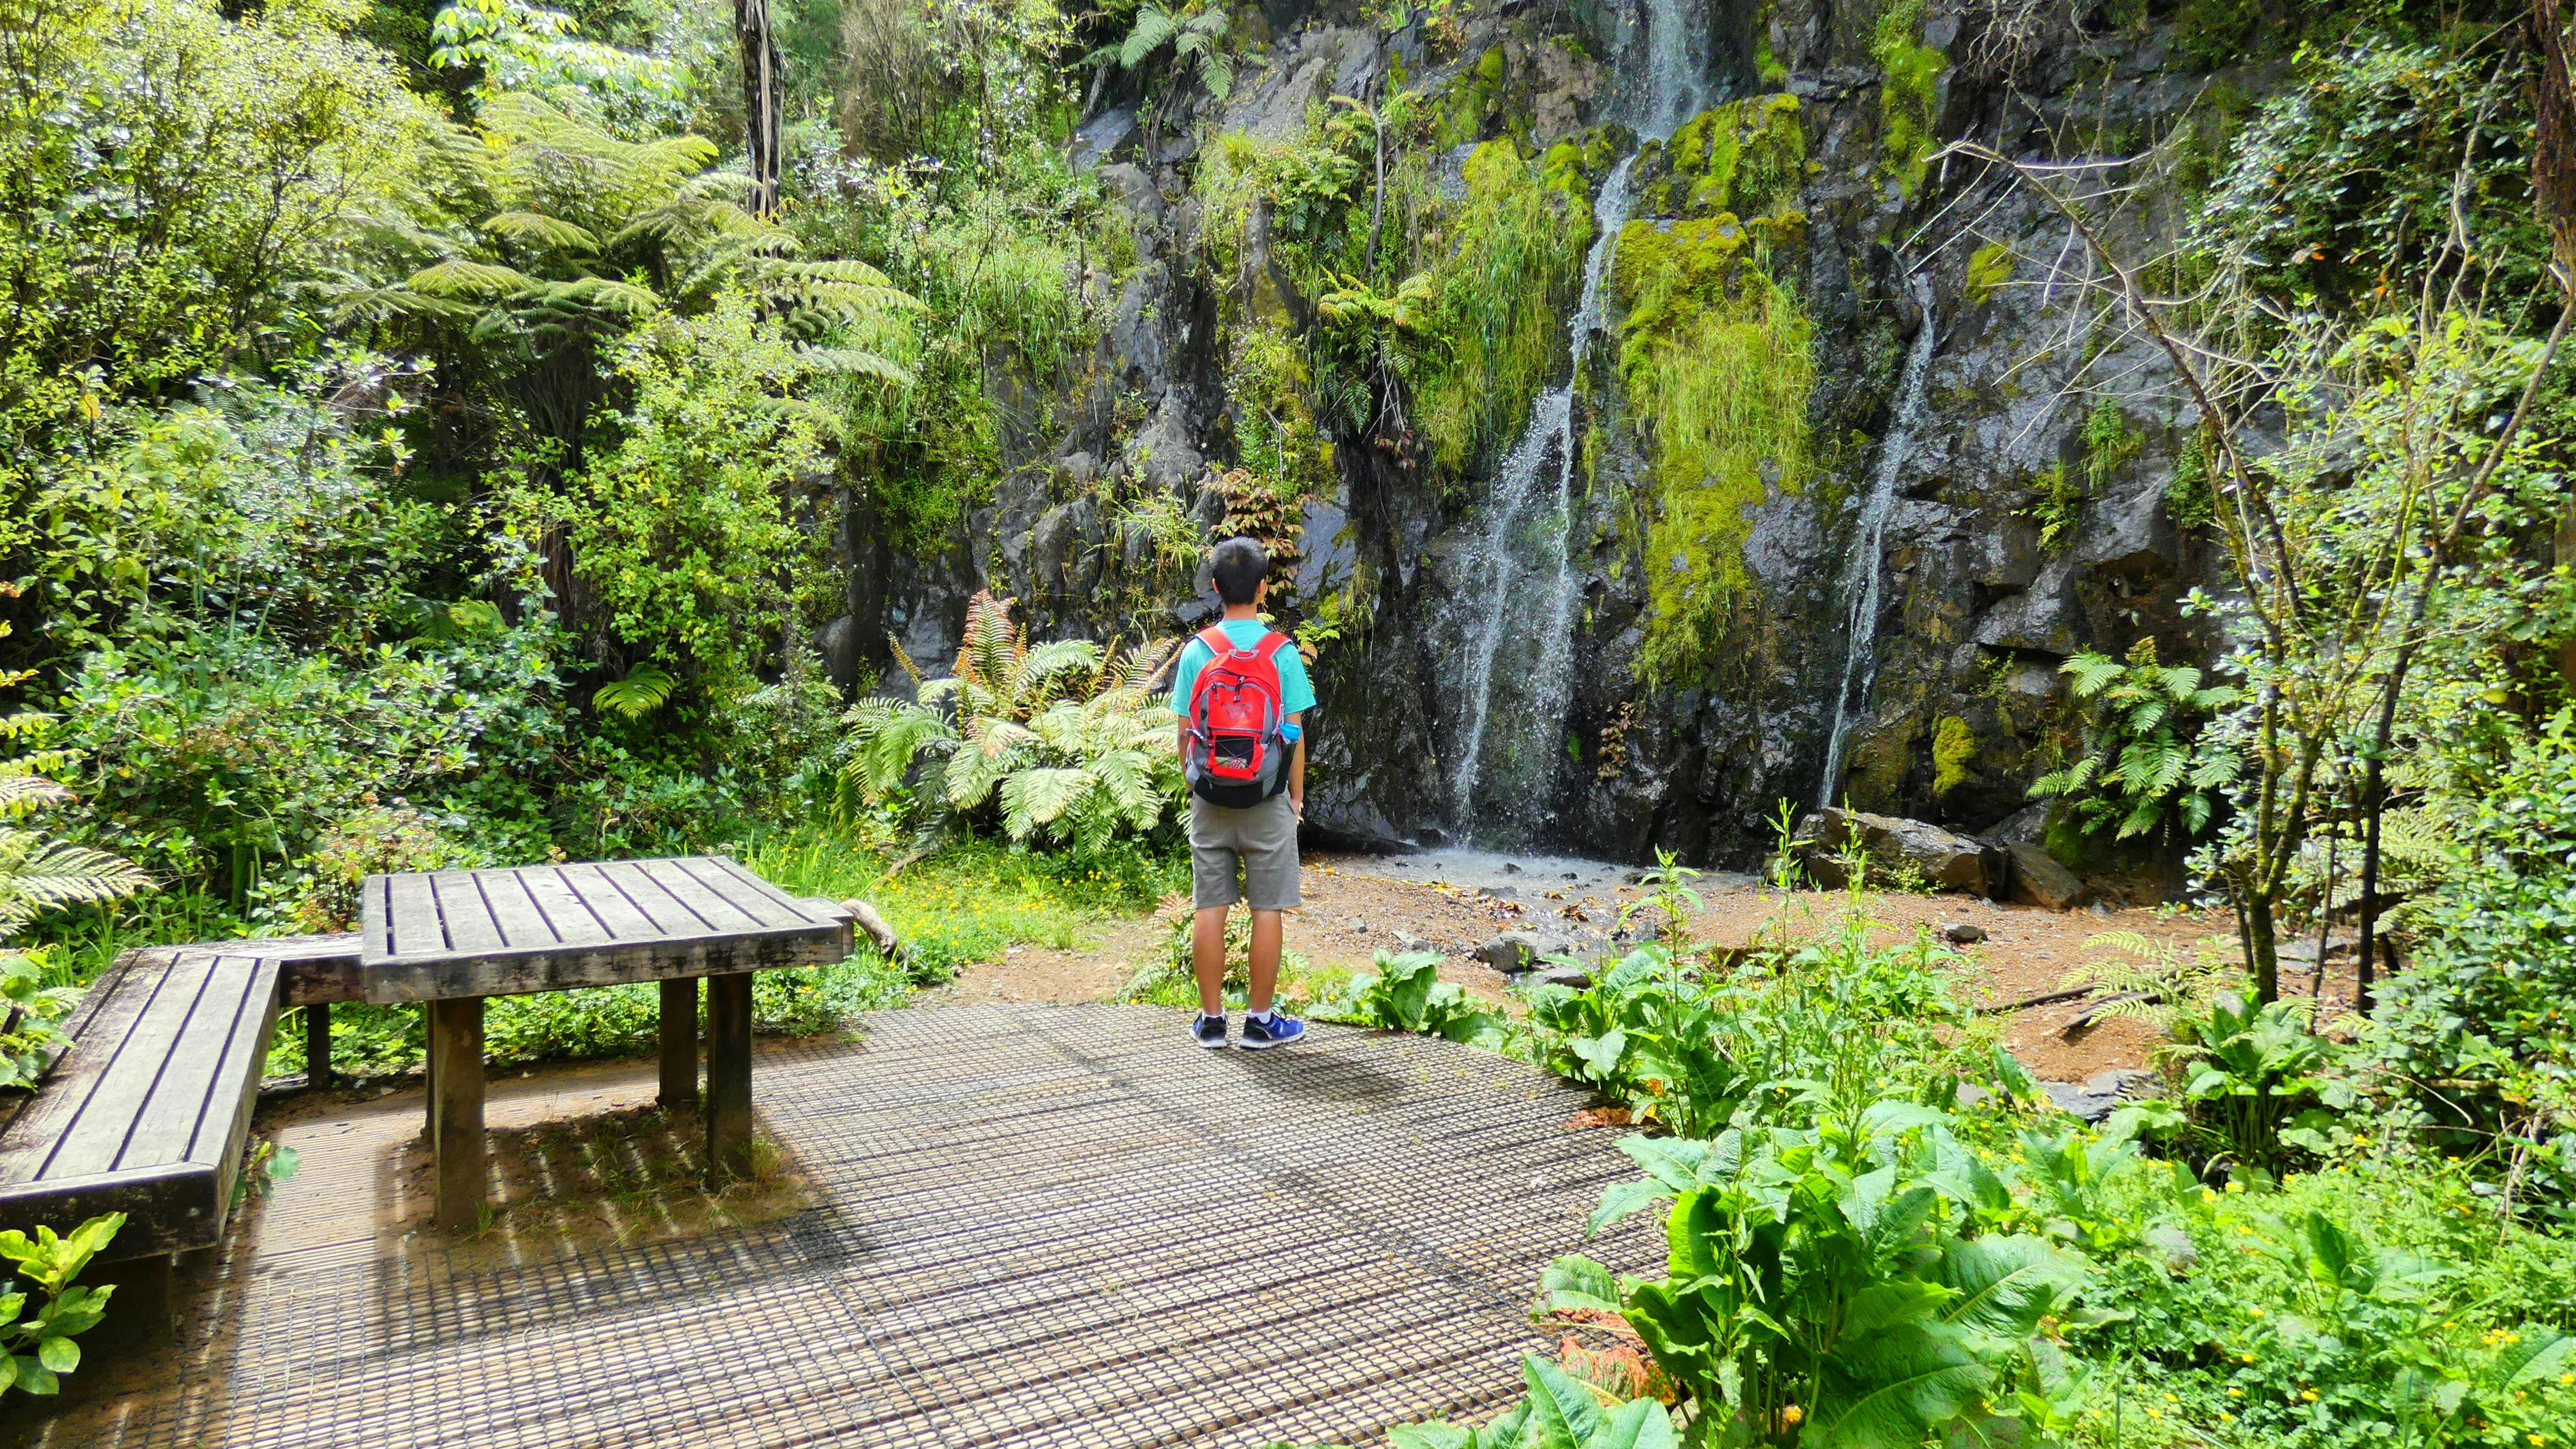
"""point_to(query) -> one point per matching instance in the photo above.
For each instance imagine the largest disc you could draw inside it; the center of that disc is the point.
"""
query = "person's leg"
(1207, 955)
(1265, 959)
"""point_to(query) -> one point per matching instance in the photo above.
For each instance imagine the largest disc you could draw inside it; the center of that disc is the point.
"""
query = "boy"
(1243, 740)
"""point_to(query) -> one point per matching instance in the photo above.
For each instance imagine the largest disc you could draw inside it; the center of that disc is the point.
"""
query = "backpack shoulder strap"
(1213, 636)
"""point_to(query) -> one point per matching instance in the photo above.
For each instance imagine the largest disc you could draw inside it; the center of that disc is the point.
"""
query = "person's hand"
(1297, 802)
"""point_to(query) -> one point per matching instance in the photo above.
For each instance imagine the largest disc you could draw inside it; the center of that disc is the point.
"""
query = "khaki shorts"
(1259, 842)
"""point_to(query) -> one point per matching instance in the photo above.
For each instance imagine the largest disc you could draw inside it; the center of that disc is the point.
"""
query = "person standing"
(1242, 694)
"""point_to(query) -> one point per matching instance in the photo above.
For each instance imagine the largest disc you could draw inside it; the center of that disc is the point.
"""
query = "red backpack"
(1236, 757)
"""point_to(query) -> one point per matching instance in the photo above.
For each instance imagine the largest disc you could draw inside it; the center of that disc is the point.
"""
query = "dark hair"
(1237, 565)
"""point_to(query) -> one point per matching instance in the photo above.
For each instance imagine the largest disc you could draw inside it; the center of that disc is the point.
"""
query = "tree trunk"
(760, 79)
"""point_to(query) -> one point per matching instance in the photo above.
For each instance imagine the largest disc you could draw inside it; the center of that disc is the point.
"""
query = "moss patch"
(1909, 91)
(1513, 263)
(1716, 359)
(1954, 748)
(1989, 267)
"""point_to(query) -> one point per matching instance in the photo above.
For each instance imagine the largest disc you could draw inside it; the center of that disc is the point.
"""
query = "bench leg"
(729, 1074)
(680, 1042)
(317, 1044)
(456, 1109)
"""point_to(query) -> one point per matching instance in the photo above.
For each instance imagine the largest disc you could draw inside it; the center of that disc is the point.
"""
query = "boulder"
(2100, 1094)
(1949, 860)
(2038, 880)
(1569, 976)
(1514, 952)
(1963, 933)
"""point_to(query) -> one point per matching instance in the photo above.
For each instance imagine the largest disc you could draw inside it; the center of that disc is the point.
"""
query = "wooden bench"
(149, 1110)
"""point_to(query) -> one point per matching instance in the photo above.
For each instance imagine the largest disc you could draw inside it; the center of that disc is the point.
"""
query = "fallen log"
(887, 943)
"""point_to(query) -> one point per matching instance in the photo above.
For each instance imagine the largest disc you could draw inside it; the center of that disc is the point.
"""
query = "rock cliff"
(1733, 419)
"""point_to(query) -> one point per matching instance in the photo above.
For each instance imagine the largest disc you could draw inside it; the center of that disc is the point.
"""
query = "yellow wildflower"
(2308, 1396)
(1792, 1414)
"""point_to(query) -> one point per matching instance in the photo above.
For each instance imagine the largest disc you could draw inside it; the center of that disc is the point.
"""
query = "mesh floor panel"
(1033, 1226)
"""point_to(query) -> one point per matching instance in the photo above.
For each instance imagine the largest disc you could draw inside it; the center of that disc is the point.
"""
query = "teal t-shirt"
(1295, 692)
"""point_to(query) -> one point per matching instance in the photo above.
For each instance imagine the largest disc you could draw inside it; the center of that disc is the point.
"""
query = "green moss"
(1954, 748)
(1511, 262)
(1909, 91)
(1988, 269)
(1717, 361)
(2189, 500)
(1747, 157)
(1274, 425)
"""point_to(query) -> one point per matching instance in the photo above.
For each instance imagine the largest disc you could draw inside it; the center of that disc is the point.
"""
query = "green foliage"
(1909, 92)
(1560, 1412)
(1746, 158)
(1825, 1286)
(1513, 263)
(2247, 1070)
(165, 172)
(2141, 767)
(1405, 993)
(1195, 34)
(1063, 741)
(36, 1348)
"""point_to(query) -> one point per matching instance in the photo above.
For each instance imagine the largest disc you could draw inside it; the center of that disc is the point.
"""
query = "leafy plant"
(1560, 1412)
(1062, 741)
(1194, 31)
(36, 1349)
(2148, 980)
(2247, 1069)
(1405, 993)
(643, 690)
(2139, 769)
(1819, 1289)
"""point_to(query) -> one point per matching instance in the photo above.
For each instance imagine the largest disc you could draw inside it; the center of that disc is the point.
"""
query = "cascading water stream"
(1523, 520)
(1862, 577)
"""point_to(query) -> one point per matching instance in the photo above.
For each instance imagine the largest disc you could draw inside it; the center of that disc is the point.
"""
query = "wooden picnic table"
(449, 939)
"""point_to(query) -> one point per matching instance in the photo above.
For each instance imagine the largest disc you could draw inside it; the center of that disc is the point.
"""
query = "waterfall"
(1529, 533)
(1862, 576)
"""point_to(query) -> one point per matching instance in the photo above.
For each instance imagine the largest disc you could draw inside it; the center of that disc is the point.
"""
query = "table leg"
(317, 1044)
(680, 1042)
(456, 1111)
(429, 1074)
(729, 1073)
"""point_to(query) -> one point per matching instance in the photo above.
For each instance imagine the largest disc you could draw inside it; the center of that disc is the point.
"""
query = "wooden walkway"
(1022, 1225)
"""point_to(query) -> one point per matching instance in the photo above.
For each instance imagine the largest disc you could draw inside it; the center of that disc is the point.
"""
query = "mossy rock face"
(1747, 157)
(1717, 360)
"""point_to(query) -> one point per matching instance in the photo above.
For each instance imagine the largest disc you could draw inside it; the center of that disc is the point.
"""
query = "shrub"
(1063, 742)
(36, 1348)
(1405, 993)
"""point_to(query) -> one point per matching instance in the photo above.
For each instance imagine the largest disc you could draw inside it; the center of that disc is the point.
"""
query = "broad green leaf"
(2006, 1284)
(58, 1353)
(1619, 1201)
(1892, 1388)
(1565, 1413)
(1575, 1282)
(1641, 1424)
(1431, 1436)
(1673, 1162)
(2537, 1356)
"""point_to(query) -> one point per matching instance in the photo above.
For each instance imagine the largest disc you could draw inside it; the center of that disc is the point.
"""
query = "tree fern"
(2143, 767)
(1057, 741)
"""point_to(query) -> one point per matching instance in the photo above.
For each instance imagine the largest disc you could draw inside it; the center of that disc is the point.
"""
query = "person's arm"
(1297, 766)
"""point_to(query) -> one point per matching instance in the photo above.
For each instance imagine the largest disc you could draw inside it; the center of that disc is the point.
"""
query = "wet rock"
(1963, 933)
(1514, 952)
(2038, 880)
(1571, 976)
(2099, 1095)
(1948, 860)
(1408, 942)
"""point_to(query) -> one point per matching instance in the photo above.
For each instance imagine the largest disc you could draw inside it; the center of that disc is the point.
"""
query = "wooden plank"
(116, 1100)
(376, 916)
(574, 923)
(32, 1127)
(624, 919)
(679, 1042)
(719, 914)
(729, 1074)
(734, 891)
(168, 1127)
(668, 914)
(224, 1133)
(460, 904)
(523, 926)
(519, 972)
(414, 913)
(456, 1042)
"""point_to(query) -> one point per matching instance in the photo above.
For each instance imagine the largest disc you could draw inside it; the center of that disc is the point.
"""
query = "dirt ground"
(1353, 909)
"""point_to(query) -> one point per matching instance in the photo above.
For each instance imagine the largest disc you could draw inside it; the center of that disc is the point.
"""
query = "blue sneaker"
(1209, 1031)
(1279, 1030)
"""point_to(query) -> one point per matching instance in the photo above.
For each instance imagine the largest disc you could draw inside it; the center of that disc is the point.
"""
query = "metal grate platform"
(1036, 1225)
